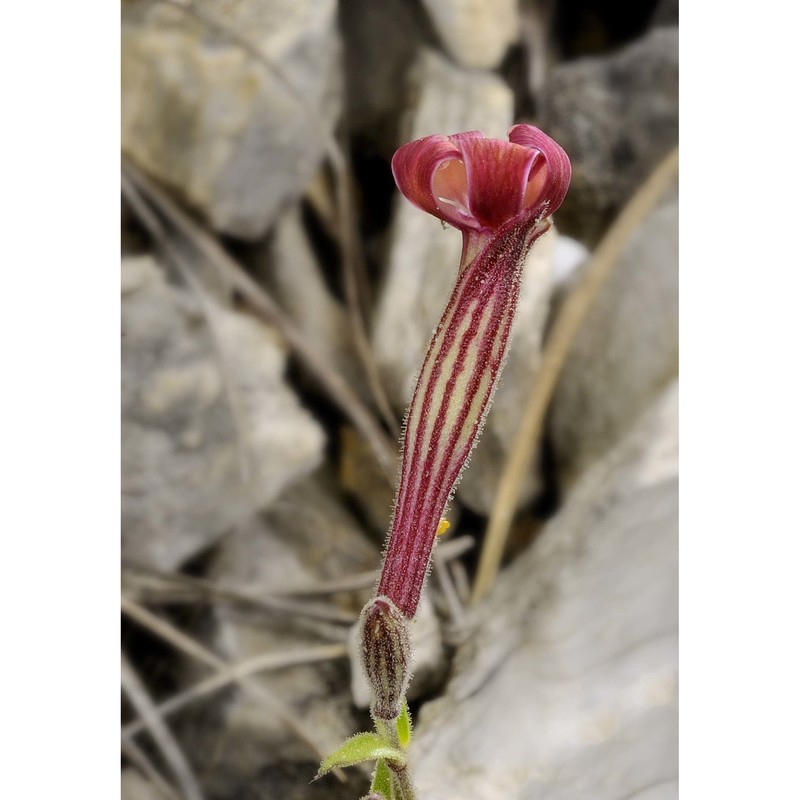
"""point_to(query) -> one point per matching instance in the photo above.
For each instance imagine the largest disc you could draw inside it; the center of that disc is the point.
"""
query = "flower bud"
(386, 650)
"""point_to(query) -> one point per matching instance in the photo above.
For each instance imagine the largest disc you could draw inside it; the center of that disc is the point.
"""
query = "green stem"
(401, 779)
(401, 776)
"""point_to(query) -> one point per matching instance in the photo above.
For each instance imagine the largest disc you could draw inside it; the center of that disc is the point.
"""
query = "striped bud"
(386, 650)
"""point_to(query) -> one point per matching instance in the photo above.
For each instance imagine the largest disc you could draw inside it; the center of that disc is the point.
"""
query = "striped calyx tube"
(500, 195)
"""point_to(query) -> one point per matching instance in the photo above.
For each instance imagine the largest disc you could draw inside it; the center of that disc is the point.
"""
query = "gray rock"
(626, 350)
(204, 115)
(567, 687)
(568, 258)
(192, 469)
(476, 33)
(422, 265)
(306, 536)
(617, 117)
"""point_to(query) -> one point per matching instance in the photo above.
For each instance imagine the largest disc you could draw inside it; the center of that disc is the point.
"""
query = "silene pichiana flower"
(500, 195)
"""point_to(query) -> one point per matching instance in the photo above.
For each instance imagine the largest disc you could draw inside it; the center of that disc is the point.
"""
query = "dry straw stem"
(558, 344)
(161, 587)
(261, 663)
(352, 257)
(191, 647)
(162, 736)
(337, 388)
(139, 759)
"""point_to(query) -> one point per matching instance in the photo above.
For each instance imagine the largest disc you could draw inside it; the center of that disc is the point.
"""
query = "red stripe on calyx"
(486, 295)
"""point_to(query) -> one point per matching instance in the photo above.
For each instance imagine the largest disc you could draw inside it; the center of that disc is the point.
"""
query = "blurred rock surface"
(617, 117)
(626, 350)
(567, 687)
(182, 455)
(202, 114)
(476, 33)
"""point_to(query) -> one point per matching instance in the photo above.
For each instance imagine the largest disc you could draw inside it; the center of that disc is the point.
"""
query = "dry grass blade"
(242, 669)
(205, 589)
(186, 644)
(555, 351)
(454, 605)
(337, 388)
(162, 736)
(142, 762)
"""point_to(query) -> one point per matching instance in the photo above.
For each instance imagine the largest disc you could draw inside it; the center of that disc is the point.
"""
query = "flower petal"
(549, 181)
(414, 166)
(498, 174)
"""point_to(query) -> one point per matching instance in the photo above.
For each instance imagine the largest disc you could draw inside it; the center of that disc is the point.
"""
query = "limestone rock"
(568, 257)
(626, 350)
(617, 117)
(567, 686)
(191, 468)
(204, 115)
(476, 33)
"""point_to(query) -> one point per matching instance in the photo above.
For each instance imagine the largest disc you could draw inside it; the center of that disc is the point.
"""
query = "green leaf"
(404, 726)
(382, 780)
(358, 748)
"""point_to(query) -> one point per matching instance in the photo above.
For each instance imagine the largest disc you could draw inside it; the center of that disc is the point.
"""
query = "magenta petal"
(554, 187)
(498, 174)
(458, 138)
(414, 165)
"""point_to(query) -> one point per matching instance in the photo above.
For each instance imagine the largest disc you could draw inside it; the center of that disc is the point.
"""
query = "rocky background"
(277, 296)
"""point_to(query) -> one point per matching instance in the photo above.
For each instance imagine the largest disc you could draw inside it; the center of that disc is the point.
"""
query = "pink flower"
(499, 194)
(478, 185)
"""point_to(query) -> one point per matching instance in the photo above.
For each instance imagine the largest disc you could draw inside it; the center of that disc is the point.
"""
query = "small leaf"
(382, 780)
(404, 726)
(358, 748)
